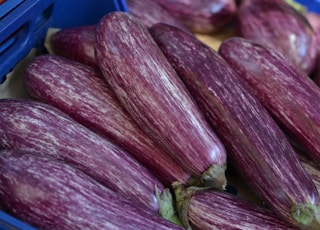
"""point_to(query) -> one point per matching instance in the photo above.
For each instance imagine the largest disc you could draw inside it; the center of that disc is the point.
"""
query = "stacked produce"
(81, 92)
(151, 91)
(51, 194)
(206, 16)
(35, 126)
(255, 144)
(133, 122)
(276, 24)
(149, 12)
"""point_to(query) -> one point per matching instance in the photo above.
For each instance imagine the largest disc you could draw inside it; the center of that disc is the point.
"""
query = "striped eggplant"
(149, 12)
(76, 43)
(206, 16)
(81, 92)
(274, 23)
(289, 95)
(151, 91)
(255, 144)
(35, 126)
(207, 209)
(50, 194)
(312, 168)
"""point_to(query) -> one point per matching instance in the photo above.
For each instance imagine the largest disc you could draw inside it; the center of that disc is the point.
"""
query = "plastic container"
(312, 5)
(24, 23)
(23, 26)
(8, 222)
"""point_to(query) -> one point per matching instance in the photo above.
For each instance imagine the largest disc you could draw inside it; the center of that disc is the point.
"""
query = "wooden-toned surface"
(215, 40)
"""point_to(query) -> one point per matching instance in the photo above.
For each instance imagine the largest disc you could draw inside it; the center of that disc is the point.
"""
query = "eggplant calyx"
(306, 215)
(166, 204)
(215, 177)
(182, 203)
(183, 197)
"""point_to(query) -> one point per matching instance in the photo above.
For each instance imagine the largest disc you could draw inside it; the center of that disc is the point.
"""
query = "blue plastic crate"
(24, 23)
(8, 222)
(312, 5)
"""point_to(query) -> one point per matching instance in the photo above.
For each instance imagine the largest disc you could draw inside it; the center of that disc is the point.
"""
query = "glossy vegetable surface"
(255, 144)
(151, 91)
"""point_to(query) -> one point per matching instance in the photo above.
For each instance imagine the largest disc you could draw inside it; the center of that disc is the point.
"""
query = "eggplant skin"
(211, 209)
(36, 126)
(76, 43)
(204, 17)
(149, 12)
(255, 144)
(82, 93)
(152, 93)
(274, 23)
(312, 168)
(290, 96)
(50, 194)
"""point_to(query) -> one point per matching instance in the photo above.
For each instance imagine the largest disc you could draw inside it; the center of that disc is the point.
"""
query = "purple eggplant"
(312, 168)
(149, 12)
(207, 209)
(255, 144)
(274, 23)
(290, 96)
(35, 126)
(50, 194)
(81, 92)
(152, 93)
(76, 43)
(205, 17)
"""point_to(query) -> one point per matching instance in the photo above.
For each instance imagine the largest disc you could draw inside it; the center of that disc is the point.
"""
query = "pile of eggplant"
(133, 123)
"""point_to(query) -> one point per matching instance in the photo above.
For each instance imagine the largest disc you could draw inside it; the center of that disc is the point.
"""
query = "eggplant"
(30, 125)
(289, 95)
(203, 17)
(76, 43)
(51, 194)
(314, 20)
(255, 144)
(311, 167)
(276, 24)
(150, 90)
(149, 12)
(81, 92)
(206, 209)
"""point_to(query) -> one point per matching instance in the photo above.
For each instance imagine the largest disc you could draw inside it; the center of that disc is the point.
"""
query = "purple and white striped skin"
(151, 91)
(51, 194)
(212, 209)
(255, 144)
(149, 12)
(312, 168)
(35, 126)
(76, 43)
(205, 16)
(274, 23)
(290, 96)
(81, 92)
